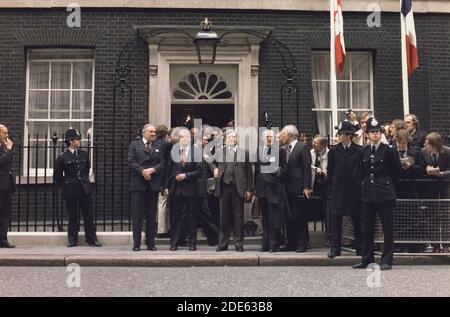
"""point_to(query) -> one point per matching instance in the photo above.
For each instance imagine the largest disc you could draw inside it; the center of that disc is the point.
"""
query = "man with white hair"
(234, 184)
(7, 185)
(298, 182)
(412, 125)
(146, 162)
(183, 173)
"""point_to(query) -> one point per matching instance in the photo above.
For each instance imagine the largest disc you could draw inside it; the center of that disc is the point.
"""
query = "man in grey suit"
(233, 187)
(146, 162)
(298, 182)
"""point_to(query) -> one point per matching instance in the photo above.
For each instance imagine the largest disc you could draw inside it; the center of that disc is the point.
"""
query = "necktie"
(183, 156)
(346, 147)
(148, 147)
(75, 153)
(374, 149)
(317, 162)
(402, 153)
(434, 159)
(288, 153)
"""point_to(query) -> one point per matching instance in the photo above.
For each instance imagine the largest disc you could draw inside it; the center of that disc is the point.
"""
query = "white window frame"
(49, 171)
(351, 81)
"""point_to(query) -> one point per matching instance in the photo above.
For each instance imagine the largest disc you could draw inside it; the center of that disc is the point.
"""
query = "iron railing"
(38, 205)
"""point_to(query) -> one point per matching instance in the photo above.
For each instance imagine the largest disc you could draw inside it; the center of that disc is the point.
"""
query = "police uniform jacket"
(379, 171)
(72, 172)
(344, 174)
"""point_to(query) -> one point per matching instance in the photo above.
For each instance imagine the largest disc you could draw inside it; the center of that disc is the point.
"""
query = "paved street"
(224, 281)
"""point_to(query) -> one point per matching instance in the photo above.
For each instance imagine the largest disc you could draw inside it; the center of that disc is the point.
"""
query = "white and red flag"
(339, 45)
(407, 19)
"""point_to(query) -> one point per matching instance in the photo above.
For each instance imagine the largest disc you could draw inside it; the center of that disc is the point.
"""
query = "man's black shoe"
(301, 249)
(96, 244)
(71, 244)
(263, 250)
(135, 248)
(7, 245)
(219, 249)
(385, 267)
(173, 248)
(332, 254)
(192, 248)
(239, 249)
(151, 248)
(360, 266)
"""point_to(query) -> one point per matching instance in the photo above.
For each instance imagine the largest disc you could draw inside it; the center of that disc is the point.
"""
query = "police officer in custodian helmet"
(380, 168)
(71, 171)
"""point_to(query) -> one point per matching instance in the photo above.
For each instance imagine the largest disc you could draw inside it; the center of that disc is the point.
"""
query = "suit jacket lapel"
(141, 146)
(295, 150)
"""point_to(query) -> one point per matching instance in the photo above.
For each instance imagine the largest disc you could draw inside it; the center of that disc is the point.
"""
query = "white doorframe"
(246, 101)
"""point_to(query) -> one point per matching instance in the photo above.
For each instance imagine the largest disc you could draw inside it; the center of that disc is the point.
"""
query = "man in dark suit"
(269, 190)
(412, 166)
(233, 187)
(162, 139)
(344, 174)
(412, 124)
(7, 185)
(71, 171)
(184, 169)
(380, 169)
(436, 160)
(205, 188)
(298, 181)
(407, 188)
(146, 162)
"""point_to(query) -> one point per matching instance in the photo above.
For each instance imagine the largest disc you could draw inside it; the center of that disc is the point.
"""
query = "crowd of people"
(182, 179)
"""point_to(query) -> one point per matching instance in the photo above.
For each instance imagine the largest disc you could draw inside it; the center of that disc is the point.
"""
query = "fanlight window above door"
(202, 86)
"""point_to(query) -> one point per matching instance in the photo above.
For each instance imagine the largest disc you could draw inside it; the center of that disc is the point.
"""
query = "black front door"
(216, 115)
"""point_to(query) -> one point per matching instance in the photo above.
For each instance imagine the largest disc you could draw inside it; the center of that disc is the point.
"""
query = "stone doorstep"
(188, 260)
(117, 238)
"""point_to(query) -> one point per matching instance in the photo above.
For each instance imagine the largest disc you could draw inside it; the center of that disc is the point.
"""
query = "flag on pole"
(339, 45)
(410, 34)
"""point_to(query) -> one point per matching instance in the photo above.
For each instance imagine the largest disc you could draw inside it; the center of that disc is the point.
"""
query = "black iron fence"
(38, 205)
(422, 213)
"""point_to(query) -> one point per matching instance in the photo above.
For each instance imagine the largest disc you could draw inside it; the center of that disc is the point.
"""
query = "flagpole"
(333, 82)
(404, 64)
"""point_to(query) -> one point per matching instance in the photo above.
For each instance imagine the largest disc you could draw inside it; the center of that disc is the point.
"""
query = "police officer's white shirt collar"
(346, 145)
(292, 144)
(377, 145)
(72, 150)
